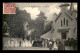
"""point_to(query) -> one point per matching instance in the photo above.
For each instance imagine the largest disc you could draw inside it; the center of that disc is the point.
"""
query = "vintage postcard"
(39, 26)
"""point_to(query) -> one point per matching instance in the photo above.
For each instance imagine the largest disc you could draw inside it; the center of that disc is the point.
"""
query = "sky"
(48, 8)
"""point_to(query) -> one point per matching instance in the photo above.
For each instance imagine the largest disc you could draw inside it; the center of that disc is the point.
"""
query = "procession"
(44, 43)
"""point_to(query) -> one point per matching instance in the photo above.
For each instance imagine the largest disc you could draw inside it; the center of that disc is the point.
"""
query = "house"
(65, 24)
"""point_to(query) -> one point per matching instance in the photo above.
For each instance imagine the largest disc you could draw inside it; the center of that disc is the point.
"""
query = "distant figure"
(46, 43)
(35, 43)
(23, 44)
(29, 44)
(50, 45)
(61, 46)
(32, 42)
(75, 45)
(20, 43)
(43, 44)
(55, 47)
(40, 43)
(68, 42)
(12, 43)
(8, 43)
(16, 44)
(26, 43)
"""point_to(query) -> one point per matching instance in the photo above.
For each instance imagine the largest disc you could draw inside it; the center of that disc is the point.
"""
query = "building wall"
(57, 25)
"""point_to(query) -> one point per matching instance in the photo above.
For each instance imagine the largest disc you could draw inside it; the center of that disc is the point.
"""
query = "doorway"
(63, 35)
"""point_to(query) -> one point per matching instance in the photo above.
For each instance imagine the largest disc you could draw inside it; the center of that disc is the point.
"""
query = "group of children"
(15, 43)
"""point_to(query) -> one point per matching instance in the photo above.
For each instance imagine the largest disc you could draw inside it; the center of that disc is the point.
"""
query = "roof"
(58, 17)
(69, 15)
(65, 13)
(47, 35)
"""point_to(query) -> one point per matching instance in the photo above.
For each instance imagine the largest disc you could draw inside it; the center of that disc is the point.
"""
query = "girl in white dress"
(4, 44)
(12, 43)
(29, 44)
(23, 44)
(55, 47)
(8, 43)
(16, 44)
(32, 41)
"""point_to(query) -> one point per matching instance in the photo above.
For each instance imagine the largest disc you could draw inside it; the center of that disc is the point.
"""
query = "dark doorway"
(63, 35)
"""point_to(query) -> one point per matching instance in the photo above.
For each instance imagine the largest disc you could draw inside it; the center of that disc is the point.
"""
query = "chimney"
(72, 7)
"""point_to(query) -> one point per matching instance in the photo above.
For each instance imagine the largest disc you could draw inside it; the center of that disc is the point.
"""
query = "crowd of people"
(72, 43)
(46, 43)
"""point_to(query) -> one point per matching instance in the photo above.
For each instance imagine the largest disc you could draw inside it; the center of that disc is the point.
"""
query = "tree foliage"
(15, 22)
(40, 27)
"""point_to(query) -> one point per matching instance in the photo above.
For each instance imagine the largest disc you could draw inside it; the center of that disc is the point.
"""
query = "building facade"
(65, 24)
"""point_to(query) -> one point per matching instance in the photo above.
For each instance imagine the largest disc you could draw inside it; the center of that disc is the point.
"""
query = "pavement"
(25, 48)
(30, 48)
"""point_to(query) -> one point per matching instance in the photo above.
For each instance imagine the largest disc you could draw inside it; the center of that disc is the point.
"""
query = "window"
(64, 21)
(67, 22)
(61, 22)
(63, 35)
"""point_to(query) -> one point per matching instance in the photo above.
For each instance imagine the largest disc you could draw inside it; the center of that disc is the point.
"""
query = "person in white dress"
(8, 43)
(23, 44)
(12, 43)
(29, 44)
(26, 43)
(4, 44)
(55, 47)
(32, 42)
(16, 43)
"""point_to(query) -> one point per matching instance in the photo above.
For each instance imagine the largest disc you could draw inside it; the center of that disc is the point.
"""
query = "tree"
(16, 21)
(48, 27)
(39, 25)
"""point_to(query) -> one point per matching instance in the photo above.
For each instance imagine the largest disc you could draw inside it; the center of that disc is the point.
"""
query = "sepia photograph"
(39, 26)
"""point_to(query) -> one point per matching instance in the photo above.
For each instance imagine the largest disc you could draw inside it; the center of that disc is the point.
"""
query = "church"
(65, 24)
